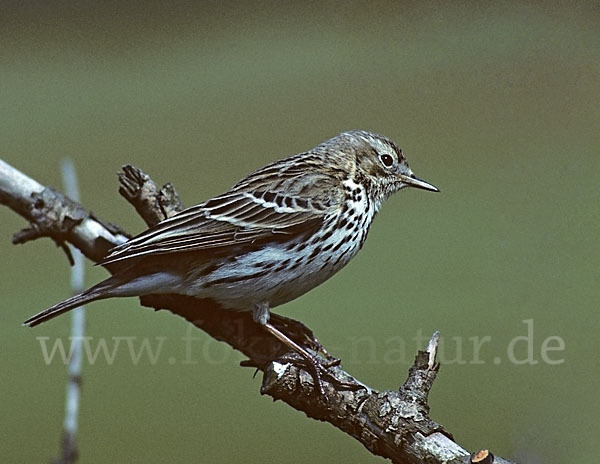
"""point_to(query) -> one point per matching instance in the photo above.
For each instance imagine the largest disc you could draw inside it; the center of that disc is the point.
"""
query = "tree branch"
(51, 214)
(392, 424)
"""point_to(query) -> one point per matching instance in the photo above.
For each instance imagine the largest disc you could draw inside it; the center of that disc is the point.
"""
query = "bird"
(272, 237)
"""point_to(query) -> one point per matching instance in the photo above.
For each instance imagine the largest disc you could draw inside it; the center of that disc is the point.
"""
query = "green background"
(495, 103)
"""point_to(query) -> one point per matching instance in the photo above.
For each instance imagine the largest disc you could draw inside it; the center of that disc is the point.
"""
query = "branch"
(392, 424)
(51, 214)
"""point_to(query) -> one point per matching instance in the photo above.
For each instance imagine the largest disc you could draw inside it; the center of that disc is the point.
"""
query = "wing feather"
(276, 201)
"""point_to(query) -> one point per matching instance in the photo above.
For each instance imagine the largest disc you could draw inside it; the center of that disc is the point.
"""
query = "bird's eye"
(387, 160)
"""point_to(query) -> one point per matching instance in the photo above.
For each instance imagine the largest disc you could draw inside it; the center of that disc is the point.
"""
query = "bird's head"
(378, 161)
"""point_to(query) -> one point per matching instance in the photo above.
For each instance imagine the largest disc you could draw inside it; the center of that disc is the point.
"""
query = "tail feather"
(97, 292)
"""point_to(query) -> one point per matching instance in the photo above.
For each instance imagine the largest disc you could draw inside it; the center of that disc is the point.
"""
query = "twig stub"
(481, 457)
(153, 204)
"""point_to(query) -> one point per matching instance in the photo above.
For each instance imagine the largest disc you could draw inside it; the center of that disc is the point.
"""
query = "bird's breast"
(281, 271)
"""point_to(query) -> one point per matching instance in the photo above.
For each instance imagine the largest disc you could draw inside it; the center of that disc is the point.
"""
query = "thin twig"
(69, 449)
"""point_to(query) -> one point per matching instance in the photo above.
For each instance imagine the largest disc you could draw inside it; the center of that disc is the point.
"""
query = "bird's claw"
(319, 371)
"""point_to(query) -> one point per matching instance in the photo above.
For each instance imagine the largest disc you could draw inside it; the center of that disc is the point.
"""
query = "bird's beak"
(413, 181)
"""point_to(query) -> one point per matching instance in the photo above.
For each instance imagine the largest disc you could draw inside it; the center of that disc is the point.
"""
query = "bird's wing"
(253, 210)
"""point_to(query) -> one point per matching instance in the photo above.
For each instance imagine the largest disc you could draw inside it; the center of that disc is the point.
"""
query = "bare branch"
(51, 214)
(392, 424)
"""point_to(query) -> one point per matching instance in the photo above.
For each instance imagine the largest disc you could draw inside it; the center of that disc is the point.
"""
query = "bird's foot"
(300, 339)
(319, 371)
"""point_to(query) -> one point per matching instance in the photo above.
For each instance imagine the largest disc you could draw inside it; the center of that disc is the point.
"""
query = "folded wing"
(236, 217)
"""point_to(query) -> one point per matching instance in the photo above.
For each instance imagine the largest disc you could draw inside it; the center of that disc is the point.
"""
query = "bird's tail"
(100, 291)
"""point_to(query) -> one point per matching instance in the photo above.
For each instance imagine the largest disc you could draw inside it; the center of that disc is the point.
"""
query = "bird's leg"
(261, 316)
(297, 331)
(261, 313)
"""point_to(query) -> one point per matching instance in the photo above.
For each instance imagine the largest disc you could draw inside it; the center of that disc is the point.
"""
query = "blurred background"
(495, 103)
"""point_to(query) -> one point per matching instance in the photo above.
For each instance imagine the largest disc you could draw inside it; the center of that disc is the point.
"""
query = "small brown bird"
(272, 237)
